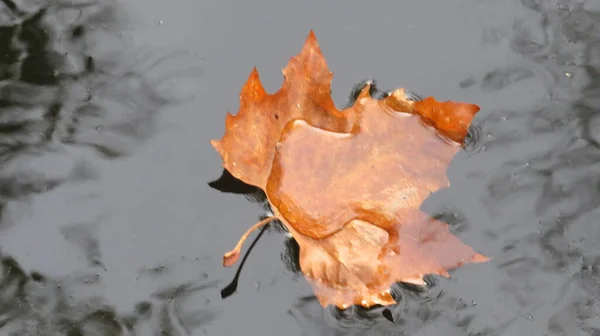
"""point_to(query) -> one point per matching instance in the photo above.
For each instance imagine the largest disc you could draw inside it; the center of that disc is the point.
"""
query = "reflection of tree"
(33, 304)
(561, 168)
(548, 188)
(65, 85)
(67, 97)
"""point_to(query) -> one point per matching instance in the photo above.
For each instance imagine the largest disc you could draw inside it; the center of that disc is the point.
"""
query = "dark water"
(108, 226)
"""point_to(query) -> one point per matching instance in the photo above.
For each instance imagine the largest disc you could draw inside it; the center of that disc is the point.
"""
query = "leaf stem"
(232, 287)
(232, 256)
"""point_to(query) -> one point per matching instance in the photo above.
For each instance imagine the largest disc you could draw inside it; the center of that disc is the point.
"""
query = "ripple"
(59, 92)
(475, 139)
(35, 304)
(67, 103)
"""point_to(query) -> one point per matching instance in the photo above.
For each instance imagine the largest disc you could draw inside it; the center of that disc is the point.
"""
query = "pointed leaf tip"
(311, 44)
(253, 89)
(480, 258)
(216, 145)
(311, 36)
(254, 72)
(228, 120)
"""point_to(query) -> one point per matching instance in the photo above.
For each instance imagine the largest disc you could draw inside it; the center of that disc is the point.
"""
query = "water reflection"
(34, 304)
(560, 174)
(559, 171)
(68, 99)
(61, 91)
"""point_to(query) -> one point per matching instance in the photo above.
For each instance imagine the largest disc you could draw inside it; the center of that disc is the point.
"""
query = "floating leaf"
(348, 183)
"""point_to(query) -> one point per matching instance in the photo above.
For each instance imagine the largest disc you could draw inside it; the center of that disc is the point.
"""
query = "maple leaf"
(348, 184)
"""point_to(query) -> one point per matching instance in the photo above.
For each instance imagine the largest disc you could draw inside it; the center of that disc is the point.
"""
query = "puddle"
(108, 226)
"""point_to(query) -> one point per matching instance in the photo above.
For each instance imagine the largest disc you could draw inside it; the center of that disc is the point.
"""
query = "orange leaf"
(248, 146)
(348, 184)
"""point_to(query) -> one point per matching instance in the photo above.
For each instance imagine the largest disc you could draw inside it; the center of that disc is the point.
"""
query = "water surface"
(108, 226)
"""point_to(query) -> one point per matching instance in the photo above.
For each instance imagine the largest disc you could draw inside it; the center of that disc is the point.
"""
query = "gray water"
(108, 225)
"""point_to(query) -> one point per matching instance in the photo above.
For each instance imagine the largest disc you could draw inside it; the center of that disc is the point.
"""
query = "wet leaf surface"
(348, 184)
